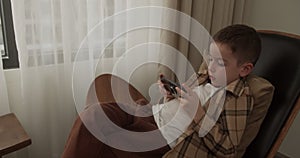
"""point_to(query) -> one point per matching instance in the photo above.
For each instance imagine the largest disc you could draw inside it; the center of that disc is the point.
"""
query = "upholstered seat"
(279, 63)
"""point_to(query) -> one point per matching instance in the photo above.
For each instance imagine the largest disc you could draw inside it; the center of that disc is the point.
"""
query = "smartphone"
(171, 86)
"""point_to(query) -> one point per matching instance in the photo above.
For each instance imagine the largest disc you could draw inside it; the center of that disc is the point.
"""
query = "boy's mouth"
(211, 78)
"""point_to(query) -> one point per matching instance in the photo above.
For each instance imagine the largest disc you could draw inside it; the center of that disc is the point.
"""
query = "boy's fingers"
(188, 90)
(182, 100)
(181, 93)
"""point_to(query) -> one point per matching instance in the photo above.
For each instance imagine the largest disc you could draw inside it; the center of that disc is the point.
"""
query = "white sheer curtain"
(48, 35)
(4, 103)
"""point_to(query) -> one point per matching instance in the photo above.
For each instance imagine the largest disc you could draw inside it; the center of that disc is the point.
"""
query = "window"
(7, 37)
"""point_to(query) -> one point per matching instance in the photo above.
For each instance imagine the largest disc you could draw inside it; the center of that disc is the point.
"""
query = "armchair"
(279, 64)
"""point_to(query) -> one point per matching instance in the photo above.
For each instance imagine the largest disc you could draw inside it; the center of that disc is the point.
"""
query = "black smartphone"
(171, 86)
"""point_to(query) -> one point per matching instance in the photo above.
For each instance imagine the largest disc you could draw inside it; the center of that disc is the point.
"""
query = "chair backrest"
(279, 63)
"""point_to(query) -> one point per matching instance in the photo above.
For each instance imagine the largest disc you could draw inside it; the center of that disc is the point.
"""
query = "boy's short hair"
(243, 40)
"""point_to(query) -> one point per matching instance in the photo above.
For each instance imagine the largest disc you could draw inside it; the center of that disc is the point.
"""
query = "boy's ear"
(246, 69)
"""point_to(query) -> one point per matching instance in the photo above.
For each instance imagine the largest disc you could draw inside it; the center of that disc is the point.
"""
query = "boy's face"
(222, 59)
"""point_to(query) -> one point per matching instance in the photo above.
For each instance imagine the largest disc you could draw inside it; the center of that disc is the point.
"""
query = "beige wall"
(281, 15)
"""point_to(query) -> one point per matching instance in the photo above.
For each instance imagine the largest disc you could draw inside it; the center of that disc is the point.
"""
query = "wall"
(281, 15)
(273, 14)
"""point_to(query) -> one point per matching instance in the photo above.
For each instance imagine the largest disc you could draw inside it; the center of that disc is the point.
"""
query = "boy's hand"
(189, 100)
(167, 95)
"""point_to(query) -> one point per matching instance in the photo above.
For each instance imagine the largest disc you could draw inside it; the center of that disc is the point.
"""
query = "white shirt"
(172, 127)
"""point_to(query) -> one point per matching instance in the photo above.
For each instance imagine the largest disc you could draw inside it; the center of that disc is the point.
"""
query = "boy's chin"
(216, 84)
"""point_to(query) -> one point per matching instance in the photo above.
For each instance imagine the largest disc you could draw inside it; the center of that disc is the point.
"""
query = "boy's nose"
(211, 67)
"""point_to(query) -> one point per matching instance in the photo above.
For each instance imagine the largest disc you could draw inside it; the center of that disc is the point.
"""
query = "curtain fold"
(211, 14)
(225, 13)
(4, 103)
(48, 35)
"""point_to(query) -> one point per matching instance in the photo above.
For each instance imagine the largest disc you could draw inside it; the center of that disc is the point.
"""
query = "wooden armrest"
(12, 135)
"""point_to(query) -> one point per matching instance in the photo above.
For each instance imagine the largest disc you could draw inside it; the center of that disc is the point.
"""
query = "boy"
(246, 102)
(238, 118)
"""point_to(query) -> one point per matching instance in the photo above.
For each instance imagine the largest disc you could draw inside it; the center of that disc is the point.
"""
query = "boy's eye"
(220, 62)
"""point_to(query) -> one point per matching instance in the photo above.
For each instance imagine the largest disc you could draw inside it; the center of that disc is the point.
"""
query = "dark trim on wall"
(12, 60)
